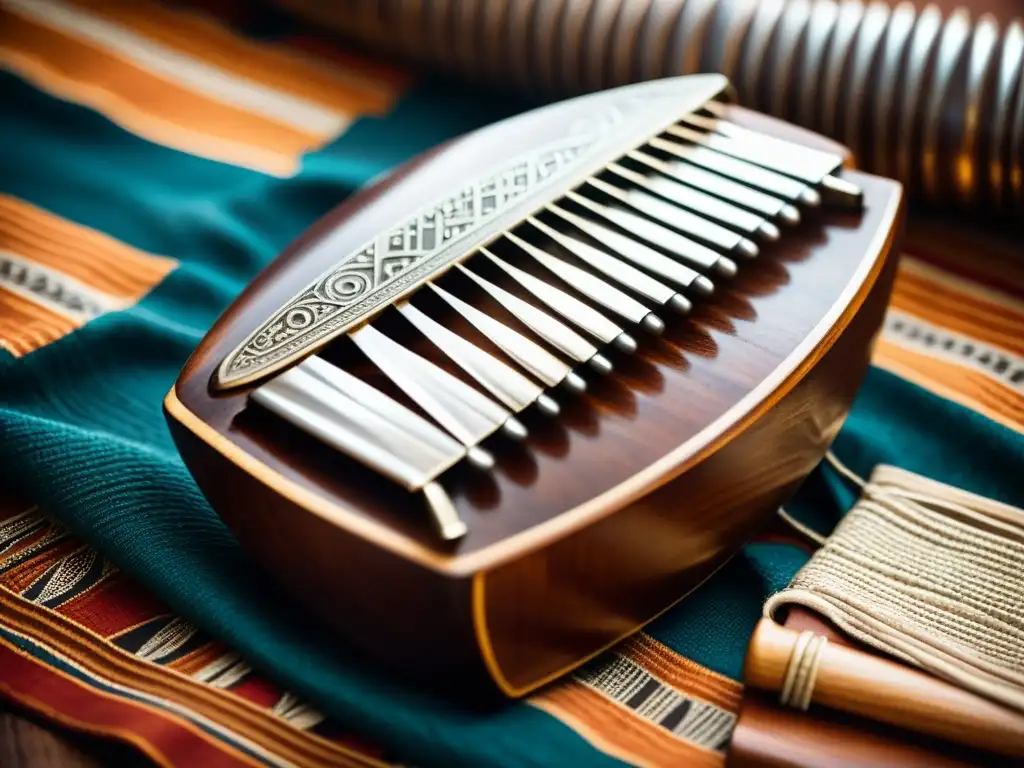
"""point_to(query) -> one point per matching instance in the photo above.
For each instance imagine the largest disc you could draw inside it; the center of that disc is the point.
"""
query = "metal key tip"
(547, 405)
(680, 304)
(810, 198)
(653, 324)
(574, 383)
(480, 458)
(446, 518)
(725, 267)
(514, 428)
(451, 530)
(790, 215)
(601, 364)
(769, 232)
(837, 192)
(703, 286)
(624, 343)
(747, 248)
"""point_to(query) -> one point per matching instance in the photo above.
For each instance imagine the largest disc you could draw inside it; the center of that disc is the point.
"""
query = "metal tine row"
(617, 271)
(553, 331)
(697, 153)
(664, 218)
(715, 187)
(462, 410)
(694, 167)
(805, 163)
(718, 237)
(706, 195)
(812, 167)
(577, 312)
(639, 224)
(633, 250)
(508, 385)
(752, 224)
(527, 353)
(363, 422)
(355, 418)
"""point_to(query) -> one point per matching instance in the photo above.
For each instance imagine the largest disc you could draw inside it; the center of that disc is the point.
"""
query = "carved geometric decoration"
(410, 253)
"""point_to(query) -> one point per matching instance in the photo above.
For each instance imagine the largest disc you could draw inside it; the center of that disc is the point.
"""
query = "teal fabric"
(892, 422)
(82, 433)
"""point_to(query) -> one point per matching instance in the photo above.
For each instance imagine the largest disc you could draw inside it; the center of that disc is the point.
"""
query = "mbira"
(502, 408)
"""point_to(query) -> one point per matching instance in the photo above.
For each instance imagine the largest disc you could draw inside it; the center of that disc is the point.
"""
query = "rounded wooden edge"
(708, 440)
(479, 583)
(490, 658)
(728, 425)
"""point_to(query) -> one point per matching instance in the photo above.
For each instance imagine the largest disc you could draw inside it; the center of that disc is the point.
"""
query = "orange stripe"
(91, 257)
(69, 721)
(944, 313)
(100, 262)
(354, 89)
(149, 106)
(618, 732)
(955, 382)
(197, 659)
(686, 676)
(106, 729)
(114, 664)
(26, 326)
(958, 312)
(1001, 302)
(25, 574)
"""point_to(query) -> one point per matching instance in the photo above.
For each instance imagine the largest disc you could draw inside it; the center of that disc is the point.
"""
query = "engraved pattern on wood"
(596, 131)
(401, 257)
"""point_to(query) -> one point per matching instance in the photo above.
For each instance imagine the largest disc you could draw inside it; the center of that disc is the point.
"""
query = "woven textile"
(927, 573)
(153, 159)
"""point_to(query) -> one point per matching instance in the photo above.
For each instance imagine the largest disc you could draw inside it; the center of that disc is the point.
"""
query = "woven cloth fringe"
(930, 574)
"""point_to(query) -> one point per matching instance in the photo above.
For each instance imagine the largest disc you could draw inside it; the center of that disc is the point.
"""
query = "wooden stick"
(858, 683)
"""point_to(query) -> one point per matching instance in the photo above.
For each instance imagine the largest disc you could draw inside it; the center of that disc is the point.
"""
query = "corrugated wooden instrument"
(925, 93)
(502, 408)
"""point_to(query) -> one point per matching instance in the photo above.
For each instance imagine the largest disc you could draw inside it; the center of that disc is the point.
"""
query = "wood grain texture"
(27, 743)
(770, 736)
(885, 691)
(24, 744)
(633, 496)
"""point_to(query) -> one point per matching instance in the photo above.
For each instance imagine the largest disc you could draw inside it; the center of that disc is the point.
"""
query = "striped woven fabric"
(957, 338)
(155, 157)
(179, 695)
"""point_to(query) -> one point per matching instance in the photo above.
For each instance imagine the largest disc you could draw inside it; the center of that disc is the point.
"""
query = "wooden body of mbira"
(610, 513)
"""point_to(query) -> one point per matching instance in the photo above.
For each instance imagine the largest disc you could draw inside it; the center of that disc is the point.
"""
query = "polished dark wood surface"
(771, 736)
(612, 512)
(885, 690)
(27, 741)
(651, 553)
(768, 735)
(24, 743)
(709, 361)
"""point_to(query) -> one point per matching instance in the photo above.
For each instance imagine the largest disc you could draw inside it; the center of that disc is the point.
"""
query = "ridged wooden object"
(932, 97)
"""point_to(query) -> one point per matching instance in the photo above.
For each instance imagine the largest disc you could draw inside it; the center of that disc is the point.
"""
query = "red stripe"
(260, 692)
(163, 737)
(113, 606)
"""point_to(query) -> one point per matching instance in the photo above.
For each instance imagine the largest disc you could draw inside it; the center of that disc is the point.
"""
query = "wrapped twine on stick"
(935, 100)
